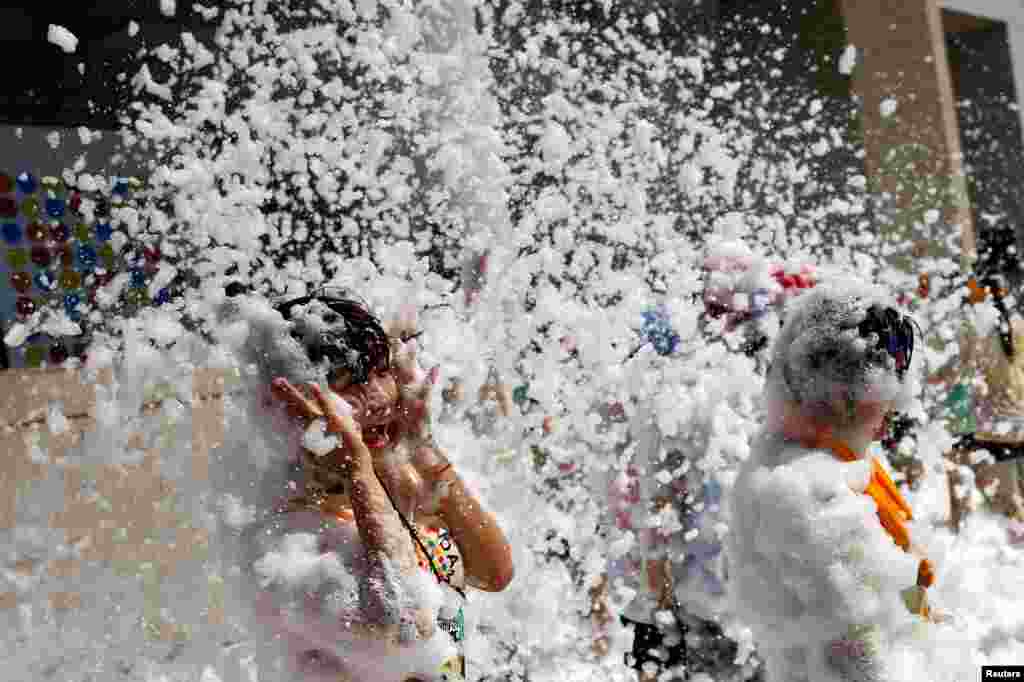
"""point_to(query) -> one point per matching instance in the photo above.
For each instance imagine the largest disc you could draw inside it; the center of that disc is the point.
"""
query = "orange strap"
(893, 510)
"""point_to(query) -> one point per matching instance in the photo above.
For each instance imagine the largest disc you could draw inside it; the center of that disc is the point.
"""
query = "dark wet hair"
(895, 334)
(354, 340)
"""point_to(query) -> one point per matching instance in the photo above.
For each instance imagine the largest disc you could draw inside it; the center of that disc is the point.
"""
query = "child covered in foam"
(360, 568)
(825, 569)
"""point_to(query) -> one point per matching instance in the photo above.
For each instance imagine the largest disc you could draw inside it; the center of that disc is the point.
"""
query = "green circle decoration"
(30, 208)
(17, 258)
(34, 356)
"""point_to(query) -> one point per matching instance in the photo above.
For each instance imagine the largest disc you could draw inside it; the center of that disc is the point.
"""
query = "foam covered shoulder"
(823, 540)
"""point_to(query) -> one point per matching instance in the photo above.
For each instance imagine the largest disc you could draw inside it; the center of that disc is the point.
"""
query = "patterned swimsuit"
(445, 563)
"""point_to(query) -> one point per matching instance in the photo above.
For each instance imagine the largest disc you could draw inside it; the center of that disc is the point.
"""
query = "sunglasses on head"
(361, 332)
(895, 334)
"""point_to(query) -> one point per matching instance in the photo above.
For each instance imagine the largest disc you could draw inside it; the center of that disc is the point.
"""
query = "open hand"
(414, 388)
(314, 404)
(298, 406)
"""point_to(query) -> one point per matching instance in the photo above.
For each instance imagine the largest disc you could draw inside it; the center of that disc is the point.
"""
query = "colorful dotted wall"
(59, 246)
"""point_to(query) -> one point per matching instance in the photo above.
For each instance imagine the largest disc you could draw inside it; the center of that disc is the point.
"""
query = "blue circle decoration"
(55, 208)
(163, 296)
(657, 330)
(760, 299)
(45, 280)
(71, 302)
(104, 231)
(27, 183)
(87, 256)
(712, 490)
(12, 233)
(138, 278)
(120, 188)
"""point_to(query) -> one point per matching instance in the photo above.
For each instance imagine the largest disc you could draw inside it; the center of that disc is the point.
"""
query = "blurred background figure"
(985, 400)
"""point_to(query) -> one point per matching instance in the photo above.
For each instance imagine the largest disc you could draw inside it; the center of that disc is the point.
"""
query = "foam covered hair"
(304, 339)
(268, 341)
(277, 347)
(821, 355)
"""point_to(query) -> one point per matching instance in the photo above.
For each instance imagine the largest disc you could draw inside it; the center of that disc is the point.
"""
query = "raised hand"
(296, 403)
(336, 413)
(414, 387)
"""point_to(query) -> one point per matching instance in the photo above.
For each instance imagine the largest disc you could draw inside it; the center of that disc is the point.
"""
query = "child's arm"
(485, 550)
(387, 546)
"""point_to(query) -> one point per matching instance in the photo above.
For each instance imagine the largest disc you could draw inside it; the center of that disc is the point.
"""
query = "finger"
(319, 397)
(297, 404)
(404, 322)
(332, 406)
(408, 316)
(408, 370)
(412, 394)
(414, 408)
(351, 435)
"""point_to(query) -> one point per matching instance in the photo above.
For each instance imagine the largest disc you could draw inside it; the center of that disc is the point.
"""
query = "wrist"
(442, 475)
(449, 491)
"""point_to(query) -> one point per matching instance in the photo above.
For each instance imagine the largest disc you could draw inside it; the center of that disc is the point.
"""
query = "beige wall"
(134, 492)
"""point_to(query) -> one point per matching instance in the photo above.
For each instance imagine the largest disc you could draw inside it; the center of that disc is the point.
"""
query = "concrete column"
(912, 152)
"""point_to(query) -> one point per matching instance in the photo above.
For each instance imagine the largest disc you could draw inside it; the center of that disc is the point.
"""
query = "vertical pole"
(913, 152)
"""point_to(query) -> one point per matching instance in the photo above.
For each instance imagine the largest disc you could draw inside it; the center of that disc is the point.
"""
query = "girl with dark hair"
(987, 401)
(381, 510)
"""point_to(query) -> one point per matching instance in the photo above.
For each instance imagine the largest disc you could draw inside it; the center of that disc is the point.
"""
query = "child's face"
(374, 405)
(866, 424)
(870, 418)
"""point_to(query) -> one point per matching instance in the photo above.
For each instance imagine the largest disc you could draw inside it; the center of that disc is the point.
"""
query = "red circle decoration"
(41, 255)
(25, 306)
(21, 281)
(58, 354)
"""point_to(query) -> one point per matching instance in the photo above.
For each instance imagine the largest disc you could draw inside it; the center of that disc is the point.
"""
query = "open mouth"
(379, 436)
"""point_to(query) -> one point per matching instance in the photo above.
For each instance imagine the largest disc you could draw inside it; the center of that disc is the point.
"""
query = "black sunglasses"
(895, 334)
